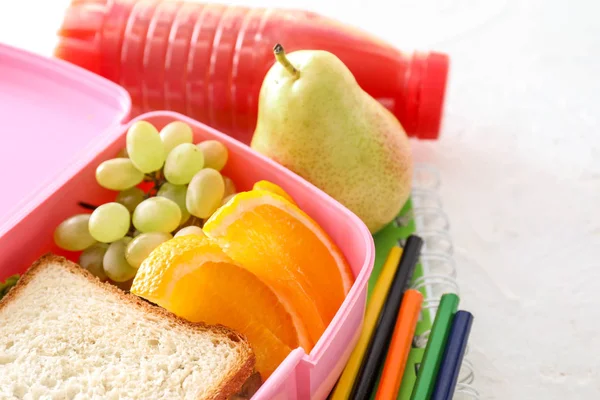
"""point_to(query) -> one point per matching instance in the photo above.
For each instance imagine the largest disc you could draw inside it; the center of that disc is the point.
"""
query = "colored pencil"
(434, 350)
(344, 386)
(380, 341)
(453, 356)
(397, 354)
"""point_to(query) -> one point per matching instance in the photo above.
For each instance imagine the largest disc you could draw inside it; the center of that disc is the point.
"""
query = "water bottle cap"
(429, 73)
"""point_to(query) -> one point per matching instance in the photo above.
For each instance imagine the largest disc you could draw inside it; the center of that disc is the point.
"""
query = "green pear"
(314, 119)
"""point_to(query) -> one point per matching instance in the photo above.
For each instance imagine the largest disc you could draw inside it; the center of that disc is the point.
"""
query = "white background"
(520, 166)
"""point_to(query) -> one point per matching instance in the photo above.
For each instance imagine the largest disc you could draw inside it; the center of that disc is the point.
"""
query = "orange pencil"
(404, 331)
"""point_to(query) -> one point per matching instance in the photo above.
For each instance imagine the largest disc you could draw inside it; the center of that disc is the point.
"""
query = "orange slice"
(273, 188)
(289, 251)
(192, 277)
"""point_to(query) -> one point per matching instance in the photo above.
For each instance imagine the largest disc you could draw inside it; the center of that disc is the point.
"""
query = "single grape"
(205, 193)
(73, 233)
(174, 134)
(141, 247)
(229, 186)
(109, 222)
(190, 230)
(118, 174)
(227, 198)
(115, 264)
(130, 198)
(157, 214)
(176, 193)
(145, 148)
(215, 154)
(92, 259)
(182, 163)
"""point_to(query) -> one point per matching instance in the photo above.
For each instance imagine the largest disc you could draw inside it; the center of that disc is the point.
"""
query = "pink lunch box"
(59, 122)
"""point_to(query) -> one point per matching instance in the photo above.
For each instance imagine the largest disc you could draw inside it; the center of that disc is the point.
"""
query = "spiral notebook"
(435, 274)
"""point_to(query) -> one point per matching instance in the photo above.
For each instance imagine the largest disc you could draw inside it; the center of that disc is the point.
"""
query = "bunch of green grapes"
(187, 188)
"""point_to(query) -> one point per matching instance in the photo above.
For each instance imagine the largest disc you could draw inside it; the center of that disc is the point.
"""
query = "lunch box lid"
(52, 114)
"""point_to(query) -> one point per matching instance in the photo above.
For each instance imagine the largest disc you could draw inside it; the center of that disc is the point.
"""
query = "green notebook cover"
(396, 233)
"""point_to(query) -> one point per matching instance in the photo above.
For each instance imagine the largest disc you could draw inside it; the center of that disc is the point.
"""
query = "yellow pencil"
(344, 386)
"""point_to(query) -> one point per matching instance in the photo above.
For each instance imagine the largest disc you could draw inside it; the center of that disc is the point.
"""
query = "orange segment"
(192, 277)
(273, 188)
(284, 247)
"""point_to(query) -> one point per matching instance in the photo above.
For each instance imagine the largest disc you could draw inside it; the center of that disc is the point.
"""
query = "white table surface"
(520, 167)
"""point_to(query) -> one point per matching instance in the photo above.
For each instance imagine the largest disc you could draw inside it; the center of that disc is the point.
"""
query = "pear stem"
(283, 60)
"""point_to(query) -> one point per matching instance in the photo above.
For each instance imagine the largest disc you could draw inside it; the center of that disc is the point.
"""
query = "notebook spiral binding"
(439, 267)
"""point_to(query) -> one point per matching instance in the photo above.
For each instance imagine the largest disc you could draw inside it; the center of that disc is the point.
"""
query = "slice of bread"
(66, 335)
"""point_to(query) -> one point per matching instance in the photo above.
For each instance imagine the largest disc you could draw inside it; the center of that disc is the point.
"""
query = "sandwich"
(66, 334)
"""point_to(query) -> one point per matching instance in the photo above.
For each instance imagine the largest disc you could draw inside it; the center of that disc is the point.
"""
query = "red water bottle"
(208, 60)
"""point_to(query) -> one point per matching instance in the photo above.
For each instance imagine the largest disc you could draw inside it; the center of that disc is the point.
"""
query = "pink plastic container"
(60, 122)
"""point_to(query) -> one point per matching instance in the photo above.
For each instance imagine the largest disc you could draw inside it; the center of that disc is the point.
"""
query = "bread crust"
(230, 385)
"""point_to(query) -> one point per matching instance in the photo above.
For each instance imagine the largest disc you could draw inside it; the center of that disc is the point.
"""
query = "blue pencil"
(453, 356)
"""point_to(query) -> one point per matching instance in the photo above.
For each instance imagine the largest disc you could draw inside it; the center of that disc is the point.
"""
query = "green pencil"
(434, 350)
